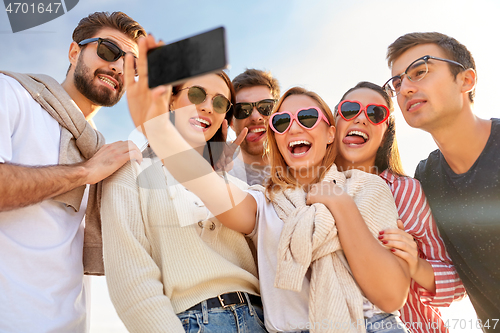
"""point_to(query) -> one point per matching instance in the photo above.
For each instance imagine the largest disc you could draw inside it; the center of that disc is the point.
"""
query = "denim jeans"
(243, 318)
(385, 323)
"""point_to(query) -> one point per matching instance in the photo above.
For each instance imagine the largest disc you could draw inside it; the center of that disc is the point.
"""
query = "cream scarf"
(79, 142)
(309, 239)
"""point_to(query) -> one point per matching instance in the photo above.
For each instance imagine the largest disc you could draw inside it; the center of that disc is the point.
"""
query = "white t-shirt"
(252, 174)
(284, 310)
(41, 270)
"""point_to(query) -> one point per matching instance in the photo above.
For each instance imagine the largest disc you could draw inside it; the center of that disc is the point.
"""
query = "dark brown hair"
(89, 26)
(451, 47)
(256, 77)
(214, 147)
(387, 156)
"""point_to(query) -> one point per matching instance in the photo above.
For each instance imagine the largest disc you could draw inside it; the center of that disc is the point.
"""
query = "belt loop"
(250, 305)
(204, 312)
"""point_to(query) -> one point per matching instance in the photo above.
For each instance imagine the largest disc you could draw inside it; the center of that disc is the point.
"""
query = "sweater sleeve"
(133, 277)
(417, 218)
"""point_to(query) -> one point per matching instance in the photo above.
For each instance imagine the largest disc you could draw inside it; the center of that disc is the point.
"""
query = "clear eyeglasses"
(415, 72)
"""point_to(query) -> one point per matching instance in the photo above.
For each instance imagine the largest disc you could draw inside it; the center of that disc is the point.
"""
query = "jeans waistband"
(228, 299)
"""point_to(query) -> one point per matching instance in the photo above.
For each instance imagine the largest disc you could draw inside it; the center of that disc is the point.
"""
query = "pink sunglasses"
(308, 118)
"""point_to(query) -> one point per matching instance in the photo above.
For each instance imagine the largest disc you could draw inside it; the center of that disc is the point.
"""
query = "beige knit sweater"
(158, 260)
(309, 239)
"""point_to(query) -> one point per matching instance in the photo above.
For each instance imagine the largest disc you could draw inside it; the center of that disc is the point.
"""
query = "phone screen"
(201, 54)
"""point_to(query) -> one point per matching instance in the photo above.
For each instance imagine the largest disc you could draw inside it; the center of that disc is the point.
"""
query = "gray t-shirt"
(467, 212)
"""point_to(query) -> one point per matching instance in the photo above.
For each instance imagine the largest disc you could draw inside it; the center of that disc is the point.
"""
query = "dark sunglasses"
(197, 95)
(107, 50)
(244, 110)
(308, 118)
(375, 113)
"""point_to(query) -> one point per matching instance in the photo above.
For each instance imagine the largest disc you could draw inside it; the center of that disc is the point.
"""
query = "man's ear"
(74, 53)
(469, 80)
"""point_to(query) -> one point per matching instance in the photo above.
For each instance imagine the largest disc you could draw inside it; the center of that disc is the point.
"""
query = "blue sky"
(325, 46)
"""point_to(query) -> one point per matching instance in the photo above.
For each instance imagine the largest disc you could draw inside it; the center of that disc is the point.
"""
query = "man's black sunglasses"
(244, 110)
(107, 50)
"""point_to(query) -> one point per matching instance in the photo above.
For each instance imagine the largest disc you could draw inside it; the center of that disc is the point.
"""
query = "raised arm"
(149, 110)
(383, 277)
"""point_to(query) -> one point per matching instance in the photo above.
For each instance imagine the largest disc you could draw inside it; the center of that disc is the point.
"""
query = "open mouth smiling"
(107, 81)
(299, 148)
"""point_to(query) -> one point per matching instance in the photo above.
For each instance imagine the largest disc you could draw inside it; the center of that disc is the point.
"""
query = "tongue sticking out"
(300, 149)
(353, 139)
(255, 136)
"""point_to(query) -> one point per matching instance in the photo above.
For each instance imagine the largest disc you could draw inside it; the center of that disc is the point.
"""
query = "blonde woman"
(320, 266)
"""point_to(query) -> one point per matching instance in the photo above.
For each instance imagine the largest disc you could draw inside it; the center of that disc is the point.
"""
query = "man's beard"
(98, 95)
(254, 150)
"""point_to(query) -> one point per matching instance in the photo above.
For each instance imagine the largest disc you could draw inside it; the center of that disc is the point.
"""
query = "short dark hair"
(255, 77)
(90, 25)
(453, 49)
(387, 156)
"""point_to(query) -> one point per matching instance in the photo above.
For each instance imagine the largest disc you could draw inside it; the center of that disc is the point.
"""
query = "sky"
(324, 46)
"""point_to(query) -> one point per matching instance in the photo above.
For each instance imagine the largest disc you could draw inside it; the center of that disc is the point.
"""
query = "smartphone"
(197, 55)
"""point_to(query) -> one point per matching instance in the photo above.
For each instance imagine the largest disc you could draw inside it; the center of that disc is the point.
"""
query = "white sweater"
(158, 260)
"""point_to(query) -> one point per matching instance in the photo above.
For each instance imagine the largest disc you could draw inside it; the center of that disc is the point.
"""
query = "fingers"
(129, 75)
(151, 43)
(144, 44)
(401, 226)
(312, 194)
(161, 99)
(405, 256)
(397, 235)
(110, 158)
(125, 151)
(224, 130)
(399, 240)
(399, 244)
(142, 61)
(309, 199)
(231, 148)
(134, 152)
(118, 148)
(241, 137)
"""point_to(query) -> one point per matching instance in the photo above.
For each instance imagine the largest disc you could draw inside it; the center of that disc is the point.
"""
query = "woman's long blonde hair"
(281, 177)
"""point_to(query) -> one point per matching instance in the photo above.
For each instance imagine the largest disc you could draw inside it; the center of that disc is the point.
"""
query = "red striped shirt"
(420, 313)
